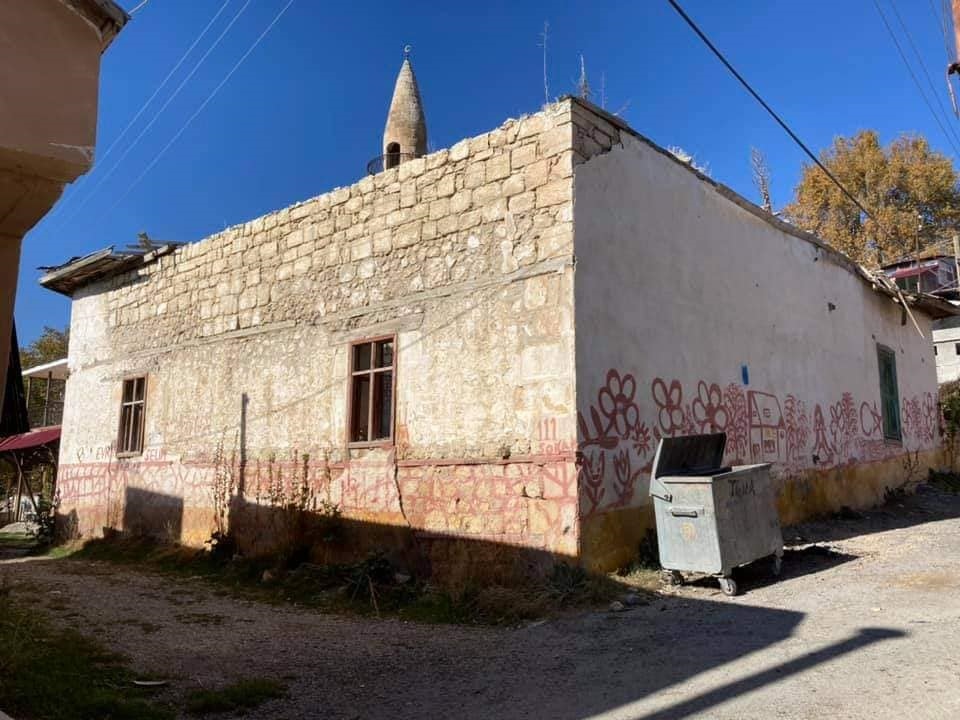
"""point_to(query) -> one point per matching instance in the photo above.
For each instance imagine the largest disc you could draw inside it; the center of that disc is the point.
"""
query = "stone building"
(472, 354)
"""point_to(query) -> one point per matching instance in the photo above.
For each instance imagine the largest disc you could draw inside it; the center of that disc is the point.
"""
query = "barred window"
(132, 411)
(371, 391)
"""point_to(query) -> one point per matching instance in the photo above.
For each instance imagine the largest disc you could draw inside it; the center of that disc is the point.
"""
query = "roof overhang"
(66, 279)
(33, 439)
(931, 305)
(56, 370)
(106, 15)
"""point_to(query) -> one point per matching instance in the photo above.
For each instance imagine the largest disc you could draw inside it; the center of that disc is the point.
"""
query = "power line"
(164, 81)
(104, 177)
(780, 122)
(138, 8)
(940, 19)
(926, 72)
(210, 97)
(916, 81)
(102, 158)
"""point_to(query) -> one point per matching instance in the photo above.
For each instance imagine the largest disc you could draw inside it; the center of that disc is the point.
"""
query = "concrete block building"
(475, 351)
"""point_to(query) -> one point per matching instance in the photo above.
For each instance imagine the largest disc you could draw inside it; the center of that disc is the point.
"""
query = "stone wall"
(465, 256)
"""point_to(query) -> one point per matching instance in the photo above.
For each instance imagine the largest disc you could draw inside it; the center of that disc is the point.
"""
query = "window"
(371, 391)
(956, 348)
(393, 156)
(889, 395)
(910, 284)
(132, 410)
(935, 351)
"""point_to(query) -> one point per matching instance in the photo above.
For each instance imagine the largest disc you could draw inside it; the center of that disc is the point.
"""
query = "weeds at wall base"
(949, 481)
(371, 587)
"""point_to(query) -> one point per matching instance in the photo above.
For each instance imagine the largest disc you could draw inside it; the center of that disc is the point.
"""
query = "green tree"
(912, 192)
(51, 345)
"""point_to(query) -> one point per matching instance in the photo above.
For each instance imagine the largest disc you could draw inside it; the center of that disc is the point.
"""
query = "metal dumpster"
(711, 519)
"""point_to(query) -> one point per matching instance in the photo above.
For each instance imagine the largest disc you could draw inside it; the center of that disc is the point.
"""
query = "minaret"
(405, 136)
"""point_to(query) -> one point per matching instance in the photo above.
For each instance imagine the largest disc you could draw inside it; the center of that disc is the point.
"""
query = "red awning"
(34, 438)
(912, 271)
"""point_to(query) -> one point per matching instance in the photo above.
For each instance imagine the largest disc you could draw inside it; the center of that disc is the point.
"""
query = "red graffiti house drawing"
(768, 433)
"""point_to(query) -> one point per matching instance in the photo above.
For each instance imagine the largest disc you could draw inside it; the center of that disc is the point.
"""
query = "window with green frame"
(889, 395)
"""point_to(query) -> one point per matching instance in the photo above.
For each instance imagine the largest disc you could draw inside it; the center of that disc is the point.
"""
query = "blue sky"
(305, 110)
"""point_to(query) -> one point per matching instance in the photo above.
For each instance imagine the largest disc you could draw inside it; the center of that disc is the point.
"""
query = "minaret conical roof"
(406, 123)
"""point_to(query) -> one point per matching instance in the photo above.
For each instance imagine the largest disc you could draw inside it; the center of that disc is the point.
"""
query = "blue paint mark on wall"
(745, 374)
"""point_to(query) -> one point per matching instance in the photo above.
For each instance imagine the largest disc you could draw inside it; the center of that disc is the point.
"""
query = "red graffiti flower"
(669, 400)
(617, 404)
(708, 410)
(836, 423)
(870, 420)
(642, 439)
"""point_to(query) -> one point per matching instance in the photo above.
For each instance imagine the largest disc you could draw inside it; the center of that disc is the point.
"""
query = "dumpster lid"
(690, 455)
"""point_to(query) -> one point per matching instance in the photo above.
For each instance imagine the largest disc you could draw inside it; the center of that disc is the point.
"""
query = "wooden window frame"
(380, 442)
(898, 438)
(127, 453)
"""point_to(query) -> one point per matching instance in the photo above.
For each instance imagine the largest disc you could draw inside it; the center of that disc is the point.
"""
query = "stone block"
(407, 235)
(445, 186)
(522, 203)
(460, 151)
(554, 193)
(498, 167)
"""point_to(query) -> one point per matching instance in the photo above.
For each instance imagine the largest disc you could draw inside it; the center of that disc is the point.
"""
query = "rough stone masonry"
(463, 256)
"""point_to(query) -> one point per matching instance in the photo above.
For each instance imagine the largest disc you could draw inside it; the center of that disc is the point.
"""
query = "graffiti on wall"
(522, 502)
(617, 443)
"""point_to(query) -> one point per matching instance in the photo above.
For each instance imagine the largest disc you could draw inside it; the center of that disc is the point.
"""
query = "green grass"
(17, 541)
(239, 697)
(52, 674)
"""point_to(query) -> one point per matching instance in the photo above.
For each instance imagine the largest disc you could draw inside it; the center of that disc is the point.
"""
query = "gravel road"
(863, 623)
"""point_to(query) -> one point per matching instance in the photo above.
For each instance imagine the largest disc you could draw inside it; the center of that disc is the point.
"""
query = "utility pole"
(956, 259)
(954, 63)
(956, 35)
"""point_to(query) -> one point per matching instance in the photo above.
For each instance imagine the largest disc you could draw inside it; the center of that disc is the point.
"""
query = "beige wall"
(49, 72)
(678, 289)
(49, 75)
(464, 256)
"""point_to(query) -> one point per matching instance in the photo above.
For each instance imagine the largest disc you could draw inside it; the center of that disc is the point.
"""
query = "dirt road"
(863, 624)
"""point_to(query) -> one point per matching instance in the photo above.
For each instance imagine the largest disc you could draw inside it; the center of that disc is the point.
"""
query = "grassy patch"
(51, 674)
(17, 541)
(239, 697)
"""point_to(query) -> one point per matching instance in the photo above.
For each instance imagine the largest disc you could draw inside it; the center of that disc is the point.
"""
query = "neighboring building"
(49, 77)
(946, 348)
(934, 271)
(483, 345)
(931, 271)
(45, 386)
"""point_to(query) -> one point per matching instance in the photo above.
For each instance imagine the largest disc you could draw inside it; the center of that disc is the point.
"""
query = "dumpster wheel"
(673, 578)
(728, 586)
